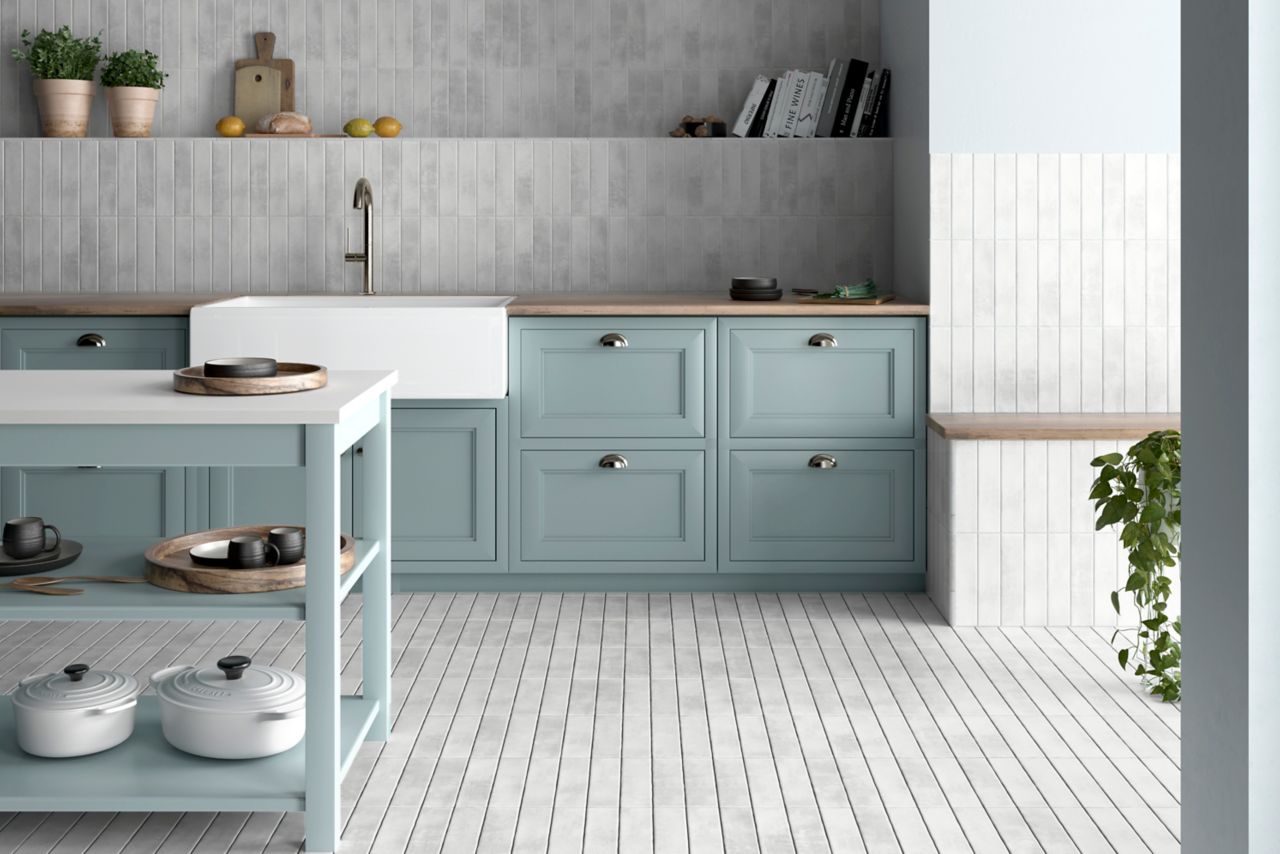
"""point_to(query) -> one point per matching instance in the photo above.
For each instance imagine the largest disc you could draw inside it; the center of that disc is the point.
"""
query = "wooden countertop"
(527, 305)
(1057, 426)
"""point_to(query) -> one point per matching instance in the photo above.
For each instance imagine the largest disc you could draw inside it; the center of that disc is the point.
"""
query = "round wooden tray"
(290, 377)
(169, 565)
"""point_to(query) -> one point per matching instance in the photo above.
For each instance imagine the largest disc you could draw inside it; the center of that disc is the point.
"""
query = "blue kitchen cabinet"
(122, 504)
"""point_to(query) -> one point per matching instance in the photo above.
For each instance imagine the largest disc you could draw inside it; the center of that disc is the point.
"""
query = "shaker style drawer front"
(612, 381)
(810, 381)
(620, 506)
(92, 347)
(821, 506)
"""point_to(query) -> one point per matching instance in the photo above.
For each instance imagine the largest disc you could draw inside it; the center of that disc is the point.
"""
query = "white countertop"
(147, 397)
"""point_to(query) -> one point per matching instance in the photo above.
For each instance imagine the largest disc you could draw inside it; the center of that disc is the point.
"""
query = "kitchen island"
(130, 418)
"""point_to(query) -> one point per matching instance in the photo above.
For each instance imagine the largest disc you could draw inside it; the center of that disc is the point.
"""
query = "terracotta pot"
(132, 109)
(64, 106)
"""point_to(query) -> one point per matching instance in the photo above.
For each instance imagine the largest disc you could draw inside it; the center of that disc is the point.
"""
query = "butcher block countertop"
(691, 303)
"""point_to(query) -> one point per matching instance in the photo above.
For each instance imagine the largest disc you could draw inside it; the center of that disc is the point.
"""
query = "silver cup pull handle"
(822, 461)
(91, 339)
(613, 461)
(823, 339)
(614, 339)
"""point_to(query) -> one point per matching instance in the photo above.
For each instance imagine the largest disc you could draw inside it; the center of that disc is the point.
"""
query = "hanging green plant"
(1142, 491)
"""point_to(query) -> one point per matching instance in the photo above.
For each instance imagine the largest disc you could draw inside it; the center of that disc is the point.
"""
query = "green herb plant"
(1142, 491)
(133, 68)
(58, 55)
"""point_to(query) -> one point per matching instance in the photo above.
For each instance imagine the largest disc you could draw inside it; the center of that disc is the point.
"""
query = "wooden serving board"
(878, 299)
(290, 377)
(169, 565)
(264, 84)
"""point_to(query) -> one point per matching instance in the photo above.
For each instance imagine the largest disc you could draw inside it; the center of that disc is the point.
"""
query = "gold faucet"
(364, 201)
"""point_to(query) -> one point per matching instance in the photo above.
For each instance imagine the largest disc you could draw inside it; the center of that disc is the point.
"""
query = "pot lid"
(232, 686)
(76, 687)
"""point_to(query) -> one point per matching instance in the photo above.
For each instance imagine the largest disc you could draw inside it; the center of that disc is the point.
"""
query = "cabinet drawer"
(649, 383)
(573, 509)
(94, 344)
(117, 503)
(783, 384)
(784, 508)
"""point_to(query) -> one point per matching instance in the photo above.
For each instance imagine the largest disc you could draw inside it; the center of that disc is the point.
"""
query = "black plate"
(753, 283)
(756, 296)
(66, 553)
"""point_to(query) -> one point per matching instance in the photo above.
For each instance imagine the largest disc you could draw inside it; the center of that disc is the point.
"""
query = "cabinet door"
(91, 346)
(783, 507)
(267, 495)
(444, 485)
(815, 379)
(573, 509)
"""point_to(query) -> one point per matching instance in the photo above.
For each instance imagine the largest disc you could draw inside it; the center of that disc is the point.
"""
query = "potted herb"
(133, 81)
(63, 66)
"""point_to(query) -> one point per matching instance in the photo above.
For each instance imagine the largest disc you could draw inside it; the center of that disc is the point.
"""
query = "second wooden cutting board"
(264, 85)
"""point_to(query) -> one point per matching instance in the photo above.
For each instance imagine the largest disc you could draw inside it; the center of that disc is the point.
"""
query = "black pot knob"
(76, 671)
(234, 666)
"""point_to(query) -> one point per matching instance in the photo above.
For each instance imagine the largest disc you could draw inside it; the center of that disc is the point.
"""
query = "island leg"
(323, 748)
(376, 610)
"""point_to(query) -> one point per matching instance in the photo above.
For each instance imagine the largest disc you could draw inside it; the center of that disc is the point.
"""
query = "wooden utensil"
(264, 84)
(42, 588)
(169, 565)
(45, 581)
(290, 377)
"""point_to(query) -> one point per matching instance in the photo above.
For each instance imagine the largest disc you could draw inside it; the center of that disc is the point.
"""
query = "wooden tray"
(290, 377)
(169, 565)
(878, 299)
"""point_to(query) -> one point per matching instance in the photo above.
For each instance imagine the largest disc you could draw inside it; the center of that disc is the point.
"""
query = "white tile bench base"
(1011, 534)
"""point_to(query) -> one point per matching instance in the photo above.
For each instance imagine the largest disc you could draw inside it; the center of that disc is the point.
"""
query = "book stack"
(851, 99)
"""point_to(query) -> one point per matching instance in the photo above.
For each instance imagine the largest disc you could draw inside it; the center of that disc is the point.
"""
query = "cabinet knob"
(91, 339)
(823, 339)
(614, 339)
(613, 461)
(822, 461)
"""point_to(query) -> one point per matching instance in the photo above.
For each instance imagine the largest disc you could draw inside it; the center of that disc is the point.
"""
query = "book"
(762, 112)
(835, 85)
(807, 124)
(750, 106)
(781, 93)
(794, 103)
(848, 103)
(880, 111)
(861, 119)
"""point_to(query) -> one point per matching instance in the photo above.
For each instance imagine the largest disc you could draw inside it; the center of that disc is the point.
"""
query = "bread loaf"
(284, 123)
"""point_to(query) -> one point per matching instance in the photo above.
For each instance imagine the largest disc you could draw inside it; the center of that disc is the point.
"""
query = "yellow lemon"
(387, 126)
(358, 128)
(231, 126)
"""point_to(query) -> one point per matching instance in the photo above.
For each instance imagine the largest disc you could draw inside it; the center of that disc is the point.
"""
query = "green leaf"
(1124, 659)
(1108, 459)
(1115, 600)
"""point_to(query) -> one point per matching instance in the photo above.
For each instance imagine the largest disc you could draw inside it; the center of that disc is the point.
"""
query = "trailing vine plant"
(1142, 491)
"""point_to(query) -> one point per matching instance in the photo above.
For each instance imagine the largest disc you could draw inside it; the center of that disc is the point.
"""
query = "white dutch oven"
(76, 712)
(232, 711)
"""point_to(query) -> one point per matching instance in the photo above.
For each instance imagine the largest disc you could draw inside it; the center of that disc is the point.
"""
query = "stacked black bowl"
(754, 288)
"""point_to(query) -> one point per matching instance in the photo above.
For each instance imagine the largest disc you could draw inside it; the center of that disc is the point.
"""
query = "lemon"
(358, 128)
(231, 126)
(387, 126)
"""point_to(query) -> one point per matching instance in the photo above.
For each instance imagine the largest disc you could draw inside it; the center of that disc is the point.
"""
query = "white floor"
(737, 723)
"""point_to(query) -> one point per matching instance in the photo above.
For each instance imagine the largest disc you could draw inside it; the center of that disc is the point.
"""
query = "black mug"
(250, 552)
(25, 537)
(288, 543)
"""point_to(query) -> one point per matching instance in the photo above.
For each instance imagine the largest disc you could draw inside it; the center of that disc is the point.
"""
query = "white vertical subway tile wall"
(1055, 283)
(453, 215)
(459, 67)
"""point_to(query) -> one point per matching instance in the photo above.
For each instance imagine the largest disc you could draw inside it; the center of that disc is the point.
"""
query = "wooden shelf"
(146, 774)
(1051, 426)
(145, 602)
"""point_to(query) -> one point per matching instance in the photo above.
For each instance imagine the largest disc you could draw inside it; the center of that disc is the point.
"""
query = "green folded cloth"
(863, 290)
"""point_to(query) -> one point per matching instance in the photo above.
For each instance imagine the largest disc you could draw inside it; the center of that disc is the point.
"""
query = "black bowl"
(240, 368)
(743, 283)
(759, 295)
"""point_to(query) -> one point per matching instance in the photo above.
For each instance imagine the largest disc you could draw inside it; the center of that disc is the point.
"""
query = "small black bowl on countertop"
(745, 283)
(247, 367)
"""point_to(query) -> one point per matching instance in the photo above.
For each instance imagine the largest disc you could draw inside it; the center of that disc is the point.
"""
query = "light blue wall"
(1047, 75)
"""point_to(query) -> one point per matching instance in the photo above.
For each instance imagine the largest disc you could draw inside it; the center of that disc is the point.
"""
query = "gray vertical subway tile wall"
(459, 67)
(506, 215)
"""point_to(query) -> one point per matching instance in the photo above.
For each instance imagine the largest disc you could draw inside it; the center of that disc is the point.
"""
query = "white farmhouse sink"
(445, 347)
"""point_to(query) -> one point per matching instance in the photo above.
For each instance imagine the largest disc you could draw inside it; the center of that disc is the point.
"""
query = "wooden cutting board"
(264, 85)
